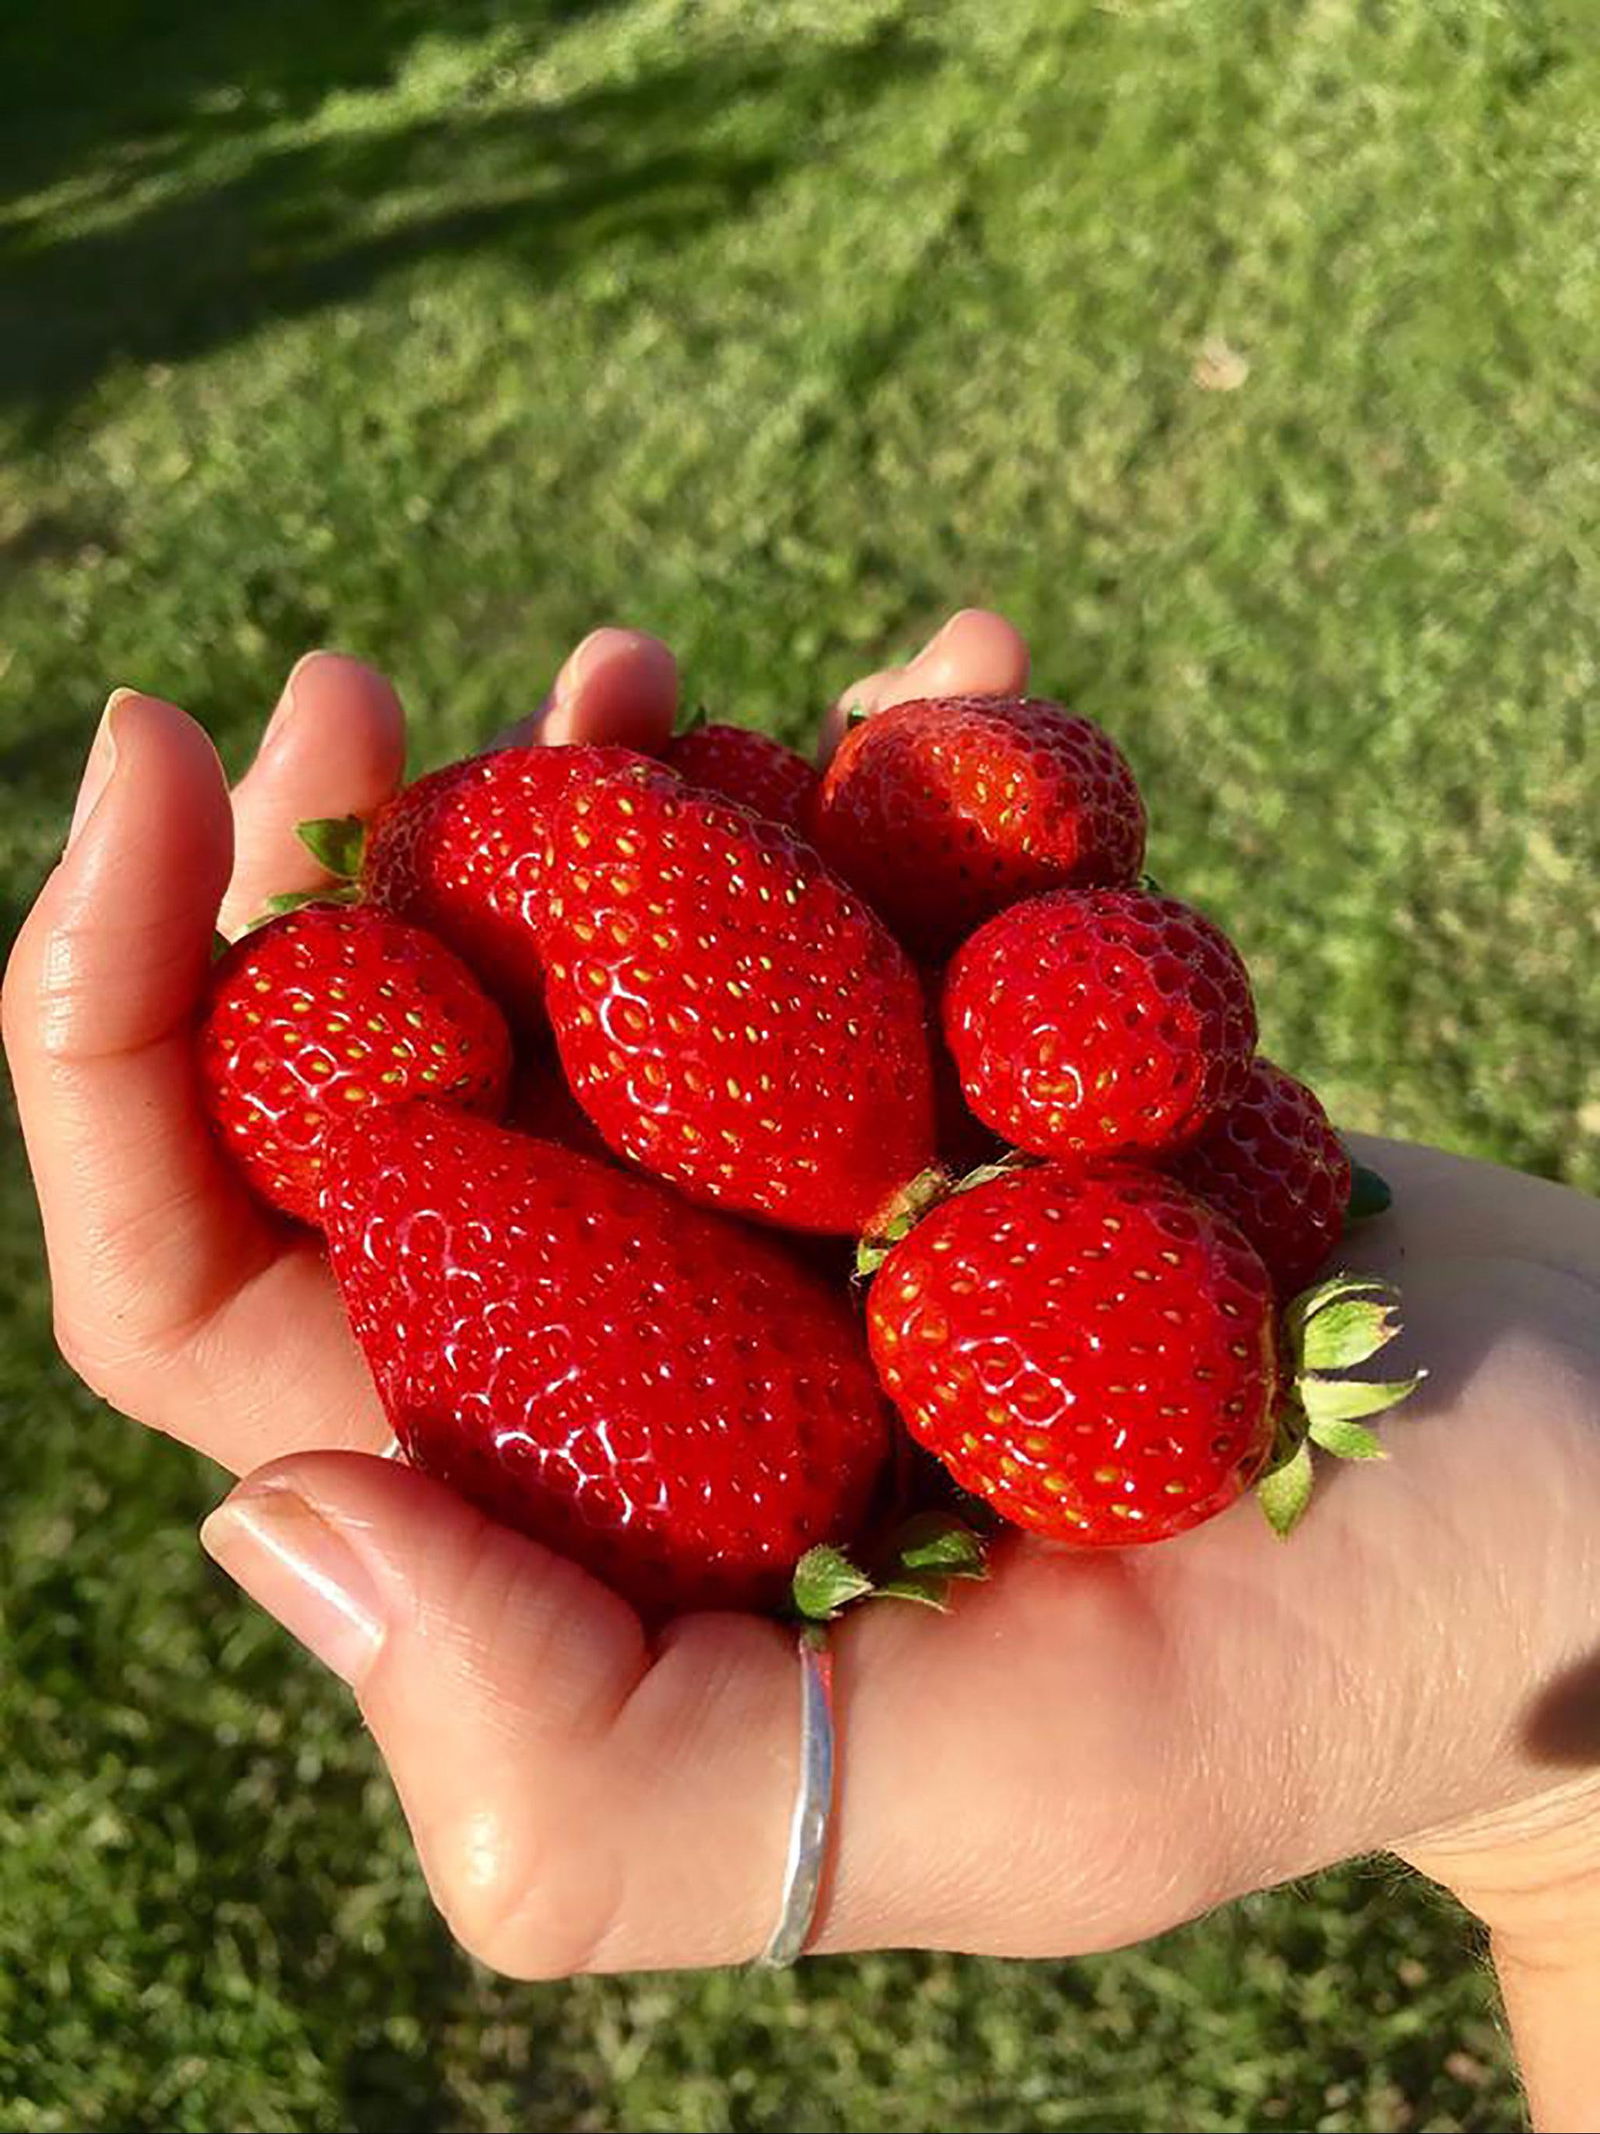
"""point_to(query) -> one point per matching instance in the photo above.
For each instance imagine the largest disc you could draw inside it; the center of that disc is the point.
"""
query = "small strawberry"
(652, 1390)
(944, 811)
(1088, 1023)
(1096, 1354)
(1273, 1163)
(751, 768)
(728, 1013)
(331, 1009)
(462, 850)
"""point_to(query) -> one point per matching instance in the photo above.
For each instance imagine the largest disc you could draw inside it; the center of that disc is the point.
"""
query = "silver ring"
(813, 1805)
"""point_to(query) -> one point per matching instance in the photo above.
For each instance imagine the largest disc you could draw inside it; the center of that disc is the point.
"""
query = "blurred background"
(1244, 351)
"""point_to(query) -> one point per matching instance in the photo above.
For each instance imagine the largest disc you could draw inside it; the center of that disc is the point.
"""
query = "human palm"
(1086, 1750)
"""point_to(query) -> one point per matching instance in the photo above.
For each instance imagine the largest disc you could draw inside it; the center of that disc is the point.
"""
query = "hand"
(177, 1296)
(1084, 1753)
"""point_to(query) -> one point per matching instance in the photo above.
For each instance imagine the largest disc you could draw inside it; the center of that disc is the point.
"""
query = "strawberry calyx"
(338, 844)
(918, 1563)
(901, 1214)
(1370, 1194)
(1328, 1329)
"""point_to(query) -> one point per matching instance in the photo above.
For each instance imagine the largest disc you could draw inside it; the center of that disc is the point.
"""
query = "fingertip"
(156, 758)
(618, 687)
(118, 940)
(976, 653)
(326, 689)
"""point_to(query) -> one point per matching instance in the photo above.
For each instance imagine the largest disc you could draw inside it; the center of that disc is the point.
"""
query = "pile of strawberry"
(595, 1067)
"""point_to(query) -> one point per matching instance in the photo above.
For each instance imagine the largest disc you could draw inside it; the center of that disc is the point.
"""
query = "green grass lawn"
(1243, 350)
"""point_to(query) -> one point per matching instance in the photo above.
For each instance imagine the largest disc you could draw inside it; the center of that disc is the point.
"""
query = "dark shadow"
(314, 223)
(1562, 1726)
(90, 86)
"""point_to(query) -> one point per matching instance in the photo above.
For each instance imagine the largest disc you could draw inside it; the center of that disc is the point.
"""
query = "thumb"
(578, 1802)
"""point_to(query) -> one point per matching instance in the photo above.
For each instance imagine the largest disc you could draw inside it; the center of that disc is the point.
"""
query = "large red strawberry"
(1088, 1023)
(1096, 1354)
(327, 1011)
(751, 768)
(650, 1389)
(944, 811)
(1273, 1163)
(462, 852)
(728, 1013)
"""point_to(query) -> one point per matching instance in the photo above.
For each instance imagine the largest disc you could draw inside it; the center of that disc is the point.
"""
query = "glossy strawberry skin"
(728, 1013)
(653, 1391)
(751, 768)
(944, 811)
(462, 852)
(1093, 1353)
(328, 1010)
(1094, 1023)
(1274, 1164)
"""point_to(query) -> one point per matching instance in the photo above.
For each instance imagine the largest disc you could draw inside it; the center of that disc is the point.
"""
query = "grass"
(1242, 350)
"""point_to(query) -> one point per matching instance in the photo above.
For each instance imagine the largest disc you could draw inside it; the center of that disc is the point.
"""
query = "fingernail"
(102, 761)
(284, 710)
(575, 668)
(274, 1543)
(934, 642)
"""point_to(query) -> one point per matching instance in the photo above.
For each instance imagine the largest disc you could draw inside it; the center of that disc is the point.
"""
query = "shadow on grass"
(90, 87)
(318, 222)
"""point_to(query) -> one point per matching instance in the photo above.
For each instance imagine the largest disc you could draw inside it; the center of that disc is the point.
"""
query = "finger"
(594, 1807)
(171, 1286)
(619, 686)
(977, 653)
(334, 746)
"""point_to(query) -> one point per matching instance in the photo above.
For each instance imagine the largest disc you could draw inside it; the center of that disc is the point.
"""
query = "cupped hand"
(177, 1296)
(1085, 1751)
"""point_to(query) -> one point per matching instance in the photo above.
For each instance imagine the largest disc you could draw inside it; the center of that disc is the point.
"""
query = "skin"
(1104, 1747)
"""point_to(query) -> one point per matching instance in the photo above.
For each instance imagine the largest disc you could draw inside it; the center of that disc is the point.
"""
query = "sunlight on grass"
(1242, 352)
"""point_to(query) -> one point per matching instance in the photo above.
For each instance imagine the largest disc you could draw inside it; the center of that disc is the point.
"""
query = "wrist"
(1532, 1875)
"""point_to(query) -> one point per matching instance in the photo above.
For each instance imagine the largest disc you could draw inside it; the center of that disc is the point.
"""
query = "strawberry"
(751, 768)
(728, 1014)
(461, 852)
(1273, 1163)
(650, 1389)
(944, 811)
(1096, 1354)
(328, 1010)
(1090, 1022)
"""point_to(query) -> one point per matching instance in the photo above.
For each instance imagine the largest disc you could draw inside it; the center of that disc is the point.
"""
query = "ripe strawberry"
(652, 1390)
(1094, 1354)
(1085, 1023)
(462, 853)
(728, 1014)
(1273, 1163)
(751, 768)
(1099, 1355)
(944, 811)
(333, 1008)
